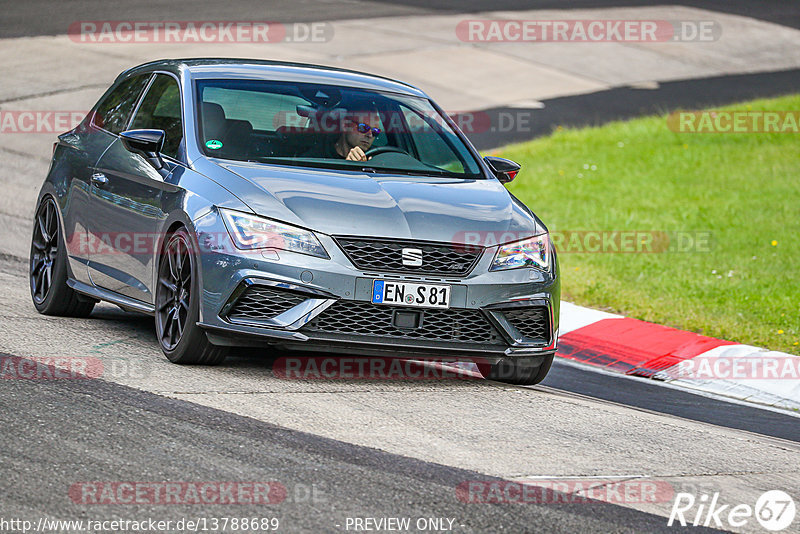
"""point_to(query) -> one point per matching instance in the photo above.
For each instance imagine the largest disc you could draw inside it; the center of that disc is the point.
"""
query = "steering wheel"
(372, 152)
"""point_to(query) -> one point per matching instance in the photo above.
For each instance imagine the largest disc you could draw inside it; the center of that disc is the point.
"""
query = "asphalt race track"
(24, 18)
(104, 431)
(361, 448)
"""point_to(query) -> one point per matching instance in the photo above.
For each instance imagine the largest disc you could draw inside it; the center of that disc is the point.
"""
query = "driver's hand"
(356, 154)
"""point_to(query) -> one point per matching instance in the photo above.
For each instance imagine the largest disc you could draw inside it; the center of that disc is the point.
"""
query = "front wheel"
(178, 306)
(523, 371)
(48, 267)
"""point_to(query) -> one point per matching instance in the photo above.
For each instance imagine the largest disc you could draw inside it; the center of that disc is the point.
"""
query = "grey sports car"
(257, 203)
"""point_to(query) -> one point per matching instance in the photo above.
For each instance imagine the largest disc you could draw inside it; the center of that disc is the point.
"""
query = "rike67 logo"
(774, 510)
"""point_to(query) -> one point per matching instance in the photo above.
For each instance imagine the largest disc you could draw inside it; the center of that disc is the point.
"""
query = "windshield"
(313, 125)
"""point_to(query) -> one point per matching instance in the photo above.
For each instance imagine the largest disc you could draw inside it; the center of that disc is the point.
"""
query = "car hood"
(376, 205)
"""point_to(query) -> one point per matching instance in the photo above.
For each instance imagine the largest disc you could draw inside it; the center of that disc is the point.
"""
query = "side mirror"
(147, 142)
(505, 169)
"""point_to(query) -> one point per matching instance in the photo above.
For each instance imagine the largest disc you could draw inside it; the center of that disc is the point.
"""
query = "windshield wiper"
(413, 172)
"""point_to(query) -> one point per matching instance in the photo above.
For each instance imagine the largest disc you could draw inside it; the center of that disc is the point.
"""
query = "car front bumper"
(301, 302)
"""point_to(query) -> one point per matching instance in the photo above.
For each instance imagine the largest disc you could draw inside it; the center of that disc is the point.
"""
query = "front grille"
(385, 255)
(532, 322)
(260, 302)
(366, 319)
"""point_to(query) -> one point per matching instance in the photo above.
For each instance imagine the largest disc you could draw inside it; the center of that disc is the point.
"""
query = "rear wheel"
(178, 305)
(48, 267)
(524, 371)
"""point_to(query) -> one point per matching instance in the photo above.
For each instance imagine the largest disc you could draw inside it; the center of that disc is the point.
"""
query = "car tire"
(47, 272)
(178, 305)
(523, 371)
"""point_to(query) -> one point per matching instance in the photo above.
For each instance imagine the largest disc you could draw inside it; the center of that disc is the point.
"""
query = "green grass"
(742, 188)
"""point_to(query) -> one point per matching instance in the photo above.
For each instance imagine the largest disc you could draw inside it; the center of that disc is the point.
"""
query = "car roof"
(232, 68)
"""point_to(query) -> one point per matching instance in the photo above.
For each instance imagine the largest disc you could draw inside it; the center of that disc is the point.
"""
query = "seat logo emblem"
(412, 257)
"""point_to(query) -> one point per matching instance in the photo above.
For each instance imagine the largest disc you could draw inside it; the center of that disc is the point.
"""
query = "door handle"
(99, 179)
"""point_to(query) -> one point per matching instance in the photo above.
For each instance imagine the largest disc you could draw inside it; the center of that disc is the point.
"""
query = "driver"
(359, 130)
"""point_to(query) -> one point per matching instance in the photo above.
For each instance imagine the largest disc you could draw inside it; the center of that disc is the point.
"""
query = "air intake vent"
(532, 322)
(367, 319)
(260, 302)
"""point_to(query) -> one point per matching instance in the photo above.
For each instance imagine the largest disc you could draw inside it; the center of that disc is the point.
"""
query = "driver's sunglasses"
(364, 128)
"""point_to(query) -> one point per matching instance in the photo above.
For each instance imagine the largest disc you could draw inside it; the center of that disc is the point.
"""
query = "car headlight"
(251, 232)
(532, 252)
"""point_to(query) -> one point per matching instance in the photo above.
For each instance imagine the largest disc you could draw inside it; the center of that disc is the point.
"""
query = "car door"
(81, 148)
(126, 199)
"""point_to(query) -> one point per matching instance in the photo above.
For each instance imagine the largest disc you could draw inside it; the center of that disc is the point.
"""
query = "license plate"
(407, 294)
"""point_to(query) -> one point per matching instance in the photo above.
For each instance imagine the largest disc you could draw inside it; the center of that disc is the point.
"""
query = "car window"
(435, 147)
(113, 112)
(263, 110)
(161, 110)
(305, 124)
